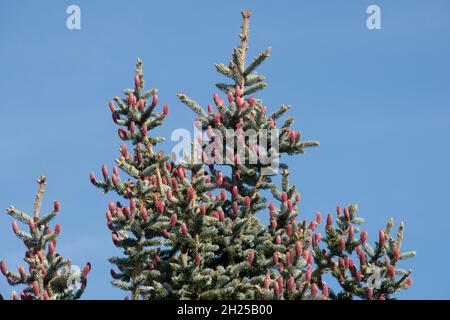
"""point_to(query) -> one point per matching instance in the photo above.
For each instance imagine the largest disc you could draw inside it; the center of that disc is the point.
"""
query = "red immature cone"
(276, 288)
(165, 109)
(338, 210)
(223, 195)
(290, 283)
(32, 225)
(173, 219)
(235, 207)
(277, 239)
(115, 180)
(141, 105)
(238, 91)
(169, 194)
(358, 250)
(329, 219)
(408, 282)
(174, 183)
(210, 108)
(288, 259)
(318, 237)
(273, 224)
(92, 177)
(381, 238)
(165, 233)
(111, 106)
(105, 172)
(247, 201)
(144, 213)
(271, 207)
(346, 214)
(325, 292)
(289, 204)
(396, 253)
(216, 215)
(132, 204)
(319, 217)
(362, 258)
(15, 227)
(36, 288)
(56, 206)
(267, 282)
(51, 248)
(115, 238)
(127, 212)
(370, 294)
(230, 97)
(202, 209)
(280, 281)
(217, 118)
(216, 98)
(191, 193)
(234, 191)
(115, 171)
(86, 270)
(22, 272)
(310, 259)
(363, 237)
(292, 136)
(314, 289)
(219, 181)
(144, 130)
(359, 276)
(161, 206)
(122, 134)
(140, 158)
(308, 274)
(137, 81)
(351, 232)
(272, 123)
(298, 248)
(297, 197)
(275, 258)
(289, 230)
(251, 256)
(3, 268)
(154, 100)
(183, 229)
(239, 103)
(111, 206)
(181, 173)
(198, 259)
(391, 271)
(283, 197)
(251, 101)
(342, 243)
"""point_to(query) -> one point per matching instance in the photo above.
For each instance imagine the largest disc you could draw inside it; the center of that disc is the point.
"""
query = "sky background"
(378, 101)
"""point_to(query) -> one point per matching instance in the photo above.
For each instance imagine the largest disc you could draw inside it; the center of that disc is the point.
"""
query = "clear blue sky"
(377, 100)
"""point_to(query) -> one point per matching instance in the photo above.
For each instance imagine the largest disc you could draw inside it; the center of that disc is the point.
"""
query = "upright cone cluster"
(190, 230)
(48, 276)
